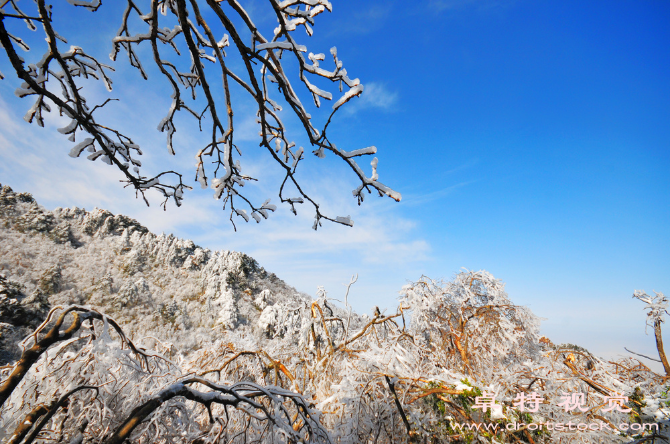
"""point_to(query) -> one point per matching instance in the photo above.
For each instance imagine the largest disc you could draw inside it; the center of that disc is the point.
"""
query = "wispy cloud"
(380, 233)
(381, 247)
(375, 96)
(441, 5)
(425, 198)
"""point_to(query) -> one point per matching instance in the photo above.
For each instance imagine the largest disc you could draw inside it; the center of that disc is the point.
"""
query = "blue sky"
(528, 138)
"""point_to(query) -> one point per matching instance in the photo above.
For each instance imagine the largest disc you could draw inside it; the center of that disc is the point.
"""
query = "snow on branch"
(310, 371)
(80, 383)
(191, 57)
(657, 306)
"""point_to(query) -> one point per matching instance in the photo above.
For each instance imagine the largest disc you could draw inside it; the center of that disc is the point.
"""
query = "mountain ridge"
(157, 284)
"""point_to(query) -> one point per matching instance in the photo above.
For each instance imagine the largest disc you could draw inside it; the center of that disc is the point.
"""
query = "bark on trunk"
(659, 346)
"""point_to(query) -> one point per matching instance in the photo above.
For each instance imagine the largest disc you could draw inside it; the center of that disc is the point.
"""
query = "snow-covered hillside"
(151, 338)
(154, 285)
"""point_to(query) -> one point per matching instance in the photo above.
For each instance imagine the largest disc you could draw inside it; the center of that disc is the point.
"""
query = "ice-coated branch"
(304, 372)
(262, 403)
(54, 78)
(658, 308)
(38, 342)
(391, 386)
(41, 415)
(196, 60)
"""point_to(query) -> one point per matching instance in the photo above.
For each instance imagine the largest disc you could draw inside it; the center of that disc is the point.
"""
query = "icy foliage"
(657, 306)
(103, 387)
(19, 315)
(476, 313)
(132, 293)
(179, 344)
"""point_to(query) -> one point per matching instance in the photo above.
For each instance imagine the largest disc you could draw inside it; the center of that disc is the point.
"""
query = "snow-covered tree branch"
(188, 41)
(84, 383)
(658, 308)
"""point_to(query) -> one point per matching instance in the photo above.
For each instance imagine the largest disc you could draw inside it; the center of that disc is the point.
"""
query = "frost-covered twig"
(262, 403)
(658, 308)
(39, 345)
(193, 44)
(44, 414)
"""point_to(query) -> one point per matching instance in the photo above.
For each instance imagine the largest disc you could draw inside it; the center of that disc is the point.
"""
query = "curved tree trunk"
(659, 346)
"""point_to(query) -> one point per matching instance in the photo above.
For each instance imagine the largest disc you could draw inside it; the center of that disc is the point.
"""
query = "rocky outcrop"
(152, 283)
(19, 315)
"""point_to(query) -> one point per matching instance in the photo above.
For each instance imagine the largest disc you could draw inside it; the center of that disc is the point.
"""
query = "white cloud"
(425, 198)
(375, 95)
(381, 247)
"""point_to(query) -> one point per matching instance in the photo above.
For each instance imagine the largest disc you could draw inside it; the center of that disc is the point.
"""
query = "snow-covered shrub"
(470, 322)
(132, 293)
(90, 383)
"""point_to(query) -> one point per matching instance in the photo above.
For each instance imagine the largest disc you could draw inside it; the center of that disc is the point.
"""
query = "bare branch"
(55, 79)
